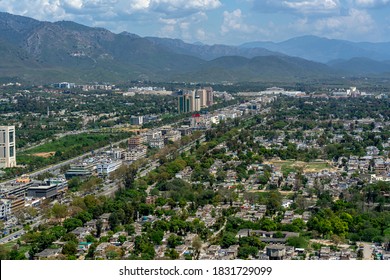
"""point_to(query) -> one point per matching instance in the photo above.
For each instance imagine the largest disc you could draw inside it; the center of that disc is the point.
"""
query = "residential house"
(48, 254)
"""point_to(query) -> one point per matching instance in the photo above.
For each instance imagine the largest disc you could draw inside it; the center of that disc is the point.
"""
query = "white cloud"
(51, 9)
(185, 28)
(174, 7)
(75, 4)
(234, 22)
(371, 3)
(200, 35)
(140, 4)
(299, 6)
(354, 25)
(314, 6)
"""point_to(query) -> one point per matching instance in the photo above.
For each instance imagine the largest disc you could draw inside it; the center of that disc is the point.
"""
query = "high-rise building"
(202, 93)
(194, 100)
(197, 104)
(185, 102)
(210, 96)
(7, 147)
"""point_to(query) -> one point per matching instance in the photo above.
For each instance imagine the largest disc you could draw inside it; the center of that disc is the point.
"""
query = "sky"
(231, 22)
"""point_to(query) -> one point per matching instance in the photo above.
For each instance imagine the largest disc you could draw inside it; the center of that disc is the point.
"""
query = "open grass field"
(70, 142)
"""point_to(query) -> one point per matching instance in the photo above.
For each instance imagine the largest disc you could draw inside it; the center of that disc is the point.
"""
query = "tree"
(297, 242)
(172, 254)
(129, 177)
(113, 221)
(74, 183)
(156, 236)
(112, 253)
(299, 223)
(274, 201)
(268, 224)
(70, 248)
(251, 241)
(174, 240)
(122, 239)
(59, 211)
(130, 229)
(70, 237)
(197, 245)
(99, 226)
(228, 239)
(72, 223)
(246, 251)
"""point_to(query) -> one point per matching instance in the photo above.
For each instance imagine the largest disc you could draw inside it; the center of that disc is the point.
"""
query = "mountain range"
(46, 52)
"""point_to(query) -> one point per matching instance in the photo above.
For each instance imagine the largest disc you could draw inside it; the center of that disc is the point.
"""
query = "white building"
(7, 147)
(202, 93)
(5, 208)
(106, 167)
(173, 135)
(157, 143)
(153, 134)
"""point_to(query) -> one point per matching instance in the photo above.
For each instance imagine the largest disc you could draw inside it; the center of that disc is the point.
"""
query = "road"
(367, 251)
(19, 233)
(12, 236)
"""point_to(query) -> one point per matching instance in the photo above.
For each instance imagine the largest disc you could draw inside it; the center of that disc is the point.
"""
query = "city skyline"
(220, 22)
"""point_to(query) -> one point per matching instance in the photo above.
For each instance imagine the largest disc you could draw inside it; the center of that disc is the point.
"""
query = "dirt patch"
(44, 155)
(308, 167)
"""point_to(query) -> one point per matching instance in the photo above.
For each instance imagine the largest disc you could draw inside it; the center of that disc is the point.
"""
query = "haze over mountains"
(47, 52)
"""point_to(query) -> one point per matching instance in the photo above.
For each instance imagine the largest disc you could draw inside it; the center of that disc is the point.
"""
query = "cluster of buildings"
(272, 91)
(195, 100)
(140, 120)
(67, 85)
(148, 90)
(337, 93)
(25, 192)
(351, 92)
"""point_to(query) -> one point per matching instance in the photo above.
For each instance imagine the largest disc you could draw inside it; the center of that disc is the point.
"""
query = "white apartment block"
(7, 147)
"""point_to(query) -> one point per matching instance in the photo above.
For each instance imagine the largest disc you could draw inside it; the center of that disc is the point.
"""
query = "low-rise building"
(156, 143)
(135, 153)
(48, 254)
(276, 252)
(104, 168)
(77, 171)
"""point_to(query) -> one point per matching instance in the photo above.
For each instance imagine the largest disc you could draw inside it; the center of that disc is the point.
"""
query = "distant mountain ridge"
(50, 52)
(210, 52)
(324, 50)
(361, 66)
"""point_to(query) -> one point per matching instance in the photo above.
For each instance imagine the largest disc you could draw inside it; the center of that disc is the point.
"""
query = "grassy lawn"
(71, 142)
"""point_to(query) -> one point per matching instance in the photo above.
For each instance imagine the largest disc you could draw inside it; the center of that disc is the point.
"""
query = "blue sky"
(220, 21)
